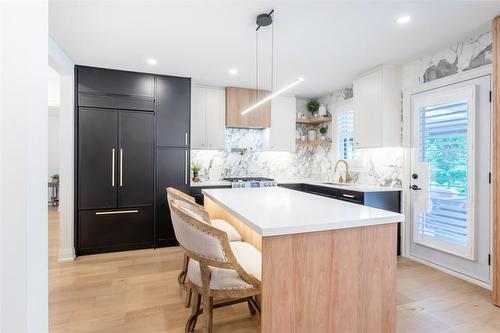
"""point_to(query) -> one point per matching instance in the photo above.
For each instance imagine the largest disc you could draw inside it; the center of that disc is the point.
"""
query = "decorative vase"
(322, 110)
(196, 179)
(311, 135)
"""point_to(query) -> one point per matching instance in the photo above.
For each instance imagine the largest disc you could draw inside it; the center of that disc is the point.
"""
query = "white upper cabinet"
(377, 108)
(281, 134)
(208, 111)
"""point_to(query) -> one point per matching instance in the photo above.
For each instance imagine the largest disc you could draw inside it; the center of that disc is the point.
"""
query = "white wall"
(53, 141)
(23, 164)
(59, 61)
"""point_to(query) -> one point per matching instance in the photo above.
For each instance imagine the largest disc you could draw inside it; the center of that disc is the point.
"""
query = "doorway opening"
(54, 105)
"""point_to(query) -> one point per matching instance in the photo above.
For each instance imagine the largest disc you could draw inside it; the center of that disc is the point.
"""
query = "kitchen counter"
(336, 257)
(279, 211)
(349, 187)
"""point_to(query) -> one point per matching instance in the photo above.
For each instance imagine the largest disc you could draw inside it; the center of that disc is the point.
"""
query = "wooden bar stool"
(217, 268)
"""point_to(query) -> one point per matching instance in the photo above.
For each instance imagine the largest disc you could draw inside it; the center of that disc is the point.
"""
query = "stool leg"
(208, 303)
(251, 307)
(195, 312)
(182, 275)
(189, 293)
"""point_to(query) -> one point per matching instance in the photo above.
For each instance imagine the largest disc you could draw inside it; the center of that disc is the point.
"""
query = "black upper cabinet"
(172, 170)
(135, 158)
(107, 81)
(97, 167)
(173, 107)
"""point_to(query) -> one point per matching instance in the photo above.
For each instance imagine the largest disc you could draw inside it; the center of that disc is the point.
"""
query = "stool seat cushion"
(248, 257)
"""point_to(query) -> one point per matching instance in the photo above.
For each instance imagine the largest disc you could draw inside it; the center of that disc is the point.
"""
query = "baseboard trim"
(451, 272)
(66, 255)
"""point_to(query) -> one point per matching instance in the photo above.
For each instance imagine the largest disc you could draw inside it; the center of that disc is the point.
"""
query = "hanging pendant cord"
(256, 64)
(272, 58)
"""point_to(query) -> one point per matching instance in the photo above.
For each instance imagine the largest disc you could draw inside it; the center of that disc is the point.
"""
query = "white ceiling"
(327, 43)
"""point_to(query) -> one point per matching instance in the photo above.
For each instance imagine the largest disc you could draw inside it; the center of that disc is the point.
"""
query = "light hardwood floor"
(137, 291)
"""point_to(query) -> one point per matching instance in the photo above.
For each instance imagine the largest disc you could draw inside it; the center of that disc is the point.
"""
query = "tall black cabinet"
(132, 141)
(172, 142)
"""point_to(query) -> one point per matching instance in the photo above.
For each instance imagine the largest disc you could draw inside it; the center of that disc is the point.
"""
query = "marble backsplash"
(375, 166)
(462, 56)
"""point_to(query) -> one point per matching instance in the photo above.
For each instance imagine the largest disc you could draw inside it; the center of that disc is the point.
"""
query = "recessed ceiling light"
(152, 61)
(233, 71)
(403, 19)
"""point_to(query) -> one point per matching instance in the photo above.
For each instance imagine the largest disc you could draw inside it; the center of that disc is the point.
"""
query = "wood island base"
(341, 280)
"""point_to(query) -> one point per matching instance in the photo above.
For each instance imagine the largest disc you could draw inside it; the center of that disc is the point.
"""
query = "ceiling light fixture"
(152, 61)
(268, 98)
(403, 19)
(233, 71)
(264, 20)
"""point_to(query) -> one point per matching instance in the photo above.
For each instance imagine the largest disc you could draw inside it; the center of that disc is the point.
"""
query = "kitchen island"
(327, 265)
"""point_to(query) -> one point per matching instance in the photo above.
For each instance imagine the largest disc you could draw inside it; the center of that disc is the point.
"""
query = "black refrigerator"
(132, 141)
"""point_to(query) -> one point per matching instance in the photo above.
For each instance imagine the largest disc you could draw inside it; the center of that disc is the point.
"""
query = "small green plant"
(323, 130)
(313, 106)
(55, 177)
(196, 167)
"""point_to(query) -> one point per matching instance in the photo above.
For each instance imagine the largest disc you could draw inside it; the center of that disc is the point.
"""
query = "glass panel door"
(450, 183)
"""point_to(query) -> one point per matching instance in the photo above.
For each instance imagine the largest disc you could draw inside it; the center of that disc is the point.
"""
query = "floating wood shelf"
(314, 142)
(314, 121)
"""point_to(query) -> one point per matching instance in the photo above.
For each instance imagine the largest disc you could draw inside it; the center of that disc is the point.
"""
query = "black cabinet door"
(105, 230)
(171, 169)
(135, 158)
(108, 81)
(173, 107)
(97, 158)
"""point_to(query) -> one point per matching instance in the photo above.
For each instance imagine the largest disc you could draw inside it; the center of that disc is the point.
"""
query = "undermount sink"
(339, 184)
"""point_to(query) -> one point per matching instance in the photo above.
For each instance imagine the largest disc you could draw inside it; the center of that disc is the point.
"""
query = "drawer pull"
(118, 212)
(348, 196)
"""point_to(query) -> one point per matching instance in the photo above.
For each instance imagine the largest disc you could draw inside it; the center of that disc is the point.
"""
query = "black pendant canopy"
(263, 20)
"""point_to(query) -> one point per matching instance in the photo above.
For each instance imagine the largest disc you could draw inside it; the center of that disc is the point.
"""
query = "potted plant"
(313, 107)
(55, 178)
(196, 167)
(323, 131)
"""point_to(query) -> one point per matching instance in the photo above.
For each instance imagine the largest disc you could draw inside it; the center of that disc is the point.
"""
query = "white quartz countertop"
(280, 211)
(350, 187)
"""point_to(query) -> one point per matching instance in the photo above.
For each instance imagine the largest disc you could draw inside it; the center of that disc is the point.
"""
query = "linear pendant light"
(263, 20)
(268, 98)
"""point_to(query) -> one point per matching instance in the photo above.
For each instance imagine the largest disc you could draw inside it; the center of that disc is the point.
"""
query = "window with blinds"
(443, 144)
(345, 135)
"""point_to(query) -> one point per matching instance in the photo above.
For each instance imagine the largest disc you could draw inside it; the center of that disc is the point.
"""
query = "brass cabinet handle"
(113, 167)
(118, 212)
(121, 167)
(185, 167)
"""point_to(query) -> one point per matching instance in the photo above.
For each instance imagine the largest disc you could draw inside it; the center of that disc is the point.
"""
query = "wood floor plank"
(137, 291)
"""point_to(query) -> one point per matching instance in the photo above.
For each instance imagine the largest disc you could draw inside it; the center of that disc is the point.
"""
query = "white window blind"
(443, 144)
(345, 135)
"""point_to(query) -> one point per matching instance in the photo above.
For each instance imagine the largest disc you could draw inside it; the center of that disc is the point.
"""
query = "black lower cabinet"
(115, 230)
(172, 166)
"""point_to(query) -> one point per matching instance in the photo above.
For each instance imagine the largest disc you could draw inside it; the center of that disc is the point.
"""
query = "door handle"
(121, 167)
(113, 167)
(118, 212)
(186, 139)
(185, 167)
(415, 187)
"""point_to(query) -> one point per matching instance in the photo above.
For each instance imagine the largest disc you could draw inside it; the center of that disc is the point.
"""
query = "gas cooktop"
(248, 179)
